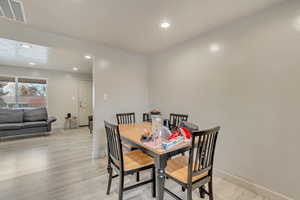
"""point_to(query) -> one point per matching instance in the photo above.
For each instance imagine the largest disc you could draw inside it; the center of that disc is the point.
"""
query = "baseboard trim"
(258, 189)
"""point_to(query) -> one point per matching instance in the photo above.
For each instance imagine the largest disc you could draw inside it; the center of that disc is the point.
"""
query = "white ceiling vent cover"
(12, 10)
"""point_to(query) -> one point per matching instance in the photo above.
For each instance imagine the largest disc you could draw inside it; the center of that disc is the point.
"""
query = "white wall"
(62, 88)
(125, 84)
(126, 69)
(250, 88)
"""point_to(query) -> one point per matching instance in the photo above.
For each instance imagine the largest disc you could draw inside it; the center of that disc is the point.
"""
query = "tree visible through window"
(22, 92)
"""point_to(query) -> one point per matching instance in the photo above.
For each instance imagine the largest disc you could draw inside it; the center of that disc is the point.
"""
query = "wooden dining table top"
(133, 133)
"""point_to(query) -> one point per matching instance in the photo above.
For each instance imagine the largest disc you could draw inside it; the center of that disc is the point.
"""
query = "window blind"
(28, 80)
(7, 79)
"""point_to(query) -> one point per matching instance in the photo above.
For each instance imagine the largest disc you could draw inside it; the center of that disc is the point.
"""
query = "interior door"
(85, 102)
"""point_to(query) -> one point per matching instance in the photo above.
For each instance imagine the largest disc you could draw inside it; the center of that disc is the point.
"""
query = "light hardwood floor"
(59, 167)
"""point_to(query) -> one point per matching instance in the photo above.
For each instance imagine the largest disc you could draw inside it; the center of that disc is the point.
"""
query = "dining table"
(131, 134)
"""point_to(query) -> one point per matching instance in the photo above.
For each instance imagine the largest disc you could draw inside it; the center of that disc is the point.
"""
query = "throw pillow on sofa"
(11, 116)
(35, 114)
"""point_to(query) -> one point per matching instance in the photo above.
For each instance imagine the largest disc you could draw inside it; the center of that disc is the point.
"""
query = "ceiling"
(13, 54)
(134, 24)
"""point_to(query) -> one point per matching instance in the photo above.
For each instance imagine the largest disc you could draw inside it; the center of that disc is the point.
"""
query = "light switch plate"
(105, 96)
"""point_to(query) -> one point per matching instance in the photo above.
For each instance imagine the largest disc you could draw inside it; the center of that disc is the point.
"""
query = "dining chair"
(90, 123)
(127, 118)
(196, 170)
(175, 119)
(146, 117)
(125, 163)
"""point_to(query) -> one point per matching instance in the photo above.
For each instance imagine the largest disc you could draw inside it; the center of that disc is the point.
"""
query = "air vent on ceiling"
(13, 10)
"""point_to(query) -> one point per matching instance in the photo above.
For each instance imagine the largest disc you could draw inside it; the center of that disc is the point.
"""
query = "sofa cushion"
(35, 114)
(34, 124)
(11, 126)
(11, 116)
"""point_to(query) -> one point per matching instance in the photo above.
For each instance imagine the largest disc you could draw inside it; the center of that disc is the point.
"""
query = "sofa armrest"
(49, 122)
(51, 119)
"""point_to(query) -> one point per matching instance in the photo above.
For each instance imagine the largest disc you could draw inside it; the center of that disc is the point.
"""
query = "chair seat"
(178, 169)
(136, 159)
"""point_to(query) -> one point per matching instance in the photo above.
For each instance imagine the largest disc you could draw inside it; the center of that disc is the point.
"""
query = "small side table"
(71, 123)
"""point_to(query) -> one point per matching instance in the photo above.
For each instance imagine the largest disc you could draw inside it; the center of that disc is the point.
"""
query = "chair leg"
(137, 176)
(202, 193)
(153, 183)
(110, 171)
(189, 193)
(210, 189)
(121, 186)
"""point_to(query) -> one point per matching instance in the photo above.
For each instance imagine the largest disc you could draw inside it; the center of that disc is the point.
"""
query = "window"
(31, 92)
(22, 92)
(8, 92)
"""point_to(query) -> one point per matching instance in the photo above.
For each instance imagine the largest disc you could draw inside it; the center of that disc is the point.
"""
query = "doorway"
(85, 101)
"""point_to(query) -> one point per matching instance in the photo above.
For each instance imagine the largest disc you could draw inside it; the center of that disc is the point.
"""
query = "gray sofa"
(28, 121)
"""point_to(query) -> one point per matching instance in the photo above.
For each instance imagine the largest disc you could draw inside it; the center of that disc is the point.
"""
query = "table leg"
(160, 164)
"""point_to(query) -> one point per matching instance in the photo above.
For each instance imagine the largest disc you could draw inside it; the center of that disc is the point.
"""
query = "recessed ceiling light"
(27, 46)
(165, 25)
(75, 68)
(214, 47)
(32, 63)
(87, 57)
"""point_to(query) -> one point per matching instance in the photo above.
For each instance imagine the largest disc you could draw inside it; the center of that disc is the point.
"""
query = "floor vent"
(12, 10)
